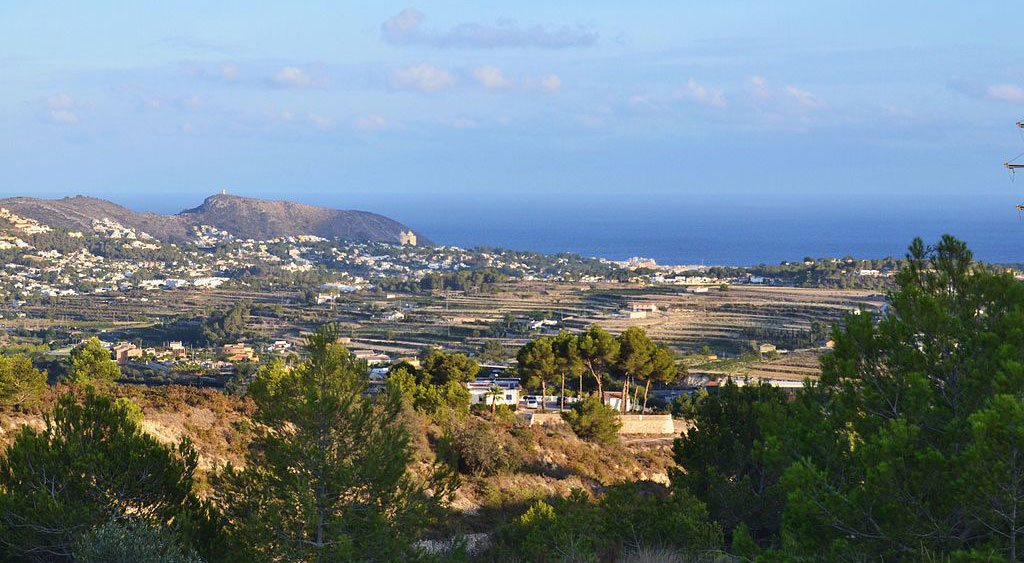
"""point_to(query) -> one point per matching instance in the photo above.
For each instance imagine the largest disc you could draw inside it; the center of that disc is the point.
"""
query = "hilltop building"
(407, 238)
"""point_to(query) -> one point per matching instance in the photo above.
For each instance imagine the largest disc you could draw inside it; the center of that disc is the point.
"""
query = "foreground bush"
(89, 465)
(21, 384)
(593, 421)
(485, 448)
(578, 528)
(131, 541)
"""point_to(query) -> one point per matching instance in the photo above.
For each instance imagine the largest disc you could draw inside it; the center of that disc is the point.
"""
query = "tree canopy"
(330, 477)
(89, 464)
(908, 447)
(440, 367)
(20, 382)
(90, 363)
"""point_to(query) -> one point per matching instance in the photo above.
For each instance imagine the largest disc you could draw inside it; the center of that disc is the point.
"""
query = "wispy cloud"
(784, 97)
(60, 109)
(423, 77)
(804, 98)
(320, 121)
(298, 77)
(1005, 93)
(315, 120)
(700, 94)
(371, 123)
(693, 92)
(547, 83)
(491, 77)
(229, 72)
(405, 29)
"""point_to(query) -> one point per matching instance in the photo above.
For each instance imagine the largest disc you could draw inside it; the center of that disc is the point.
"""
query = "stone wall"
(543, 418)
(631, 423)
(647, 424)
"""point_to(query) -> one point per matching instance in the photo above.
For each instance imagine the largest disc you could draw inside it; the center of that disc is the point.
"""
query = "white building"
(210, 282)
(480, 391)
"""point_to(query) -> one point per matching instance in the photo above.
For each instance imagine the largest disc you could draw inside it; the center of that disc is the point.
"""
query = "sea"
(709, 228)
(737, 234)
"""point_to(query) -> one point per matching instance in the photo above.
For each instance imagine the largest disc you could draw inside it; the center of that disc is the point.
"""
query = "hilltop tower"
(407, 237)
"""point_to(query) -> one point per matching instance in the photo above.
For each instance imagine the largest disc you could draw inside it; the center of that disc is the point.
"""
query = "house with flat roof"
(480, 391)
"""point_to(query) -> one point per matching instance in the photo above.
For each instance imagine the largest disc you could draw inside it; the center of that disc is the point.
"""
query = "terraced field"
(721, 319)
(726, 320)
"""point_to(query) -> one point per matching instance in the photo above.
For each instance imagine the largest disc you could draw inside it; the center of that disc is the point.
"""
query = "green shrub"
(566, 529)
(21, 383)
(649, 515)
(132, 411)
(131, 541)
(483, 449)
(432, 399)
(593, 421)
(91, 463)
(578, 528)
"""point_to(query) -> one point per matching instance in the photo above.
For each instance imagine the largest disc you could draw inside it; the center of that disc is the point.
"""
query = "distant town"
(208, 310)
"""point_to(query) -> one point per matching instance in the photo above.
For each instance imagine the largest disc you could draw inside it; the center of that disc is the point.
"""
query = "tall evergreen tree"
(329, 478)
(634, 360)
(598, 351)
(917, 415)
(568, 361)
(538, 365)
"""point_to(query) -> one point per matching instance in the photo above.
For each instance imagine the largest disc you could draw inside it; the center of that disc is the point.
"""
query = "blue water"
(736, 234)
(711, 229)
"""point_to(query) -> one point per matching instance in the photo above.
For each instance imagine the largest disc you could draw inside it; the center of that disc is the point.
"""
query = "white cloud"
(320, 122)
(63, 116)
(693, 92)
(423, 77)
(297, 77)
(192, 103)
(371, 123)
(314, 120)
(491, 77)
(60, 109)
(804, 98)
(759, 85)
(1005, 93)
(404, 29)
(229, 72)
(785, 97)
(698, 93)
(550, 82)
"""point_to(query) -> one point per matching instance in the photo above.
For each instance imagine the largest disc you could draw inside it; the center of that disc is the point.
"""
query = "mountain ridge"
(242, 217)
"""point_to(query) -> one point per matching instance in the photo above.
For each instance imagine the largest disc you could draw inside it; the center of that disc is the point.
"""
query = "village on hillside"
(210, 311)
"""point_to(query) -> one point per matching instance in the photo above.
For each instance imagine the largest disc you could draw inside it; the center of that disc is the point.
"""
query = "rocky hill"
(241, 216)
(261, 218)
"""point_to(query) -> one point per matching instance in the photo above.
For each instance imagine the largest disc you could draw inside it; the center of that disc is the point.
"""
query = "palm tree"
(494, 391)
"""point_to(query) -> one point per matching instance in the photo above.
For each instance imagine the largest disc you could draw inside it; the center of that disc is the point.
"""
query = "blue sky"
(479, 105)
